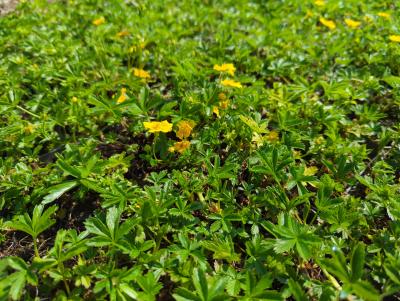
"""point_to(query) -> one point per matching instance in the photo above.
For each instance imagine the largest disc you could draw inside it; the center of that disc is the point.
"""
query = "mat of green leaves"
(200, 150)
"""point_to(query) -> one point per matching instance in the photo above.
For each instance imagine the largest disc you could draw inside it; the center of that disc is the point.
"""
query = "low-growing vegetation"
(200, 150)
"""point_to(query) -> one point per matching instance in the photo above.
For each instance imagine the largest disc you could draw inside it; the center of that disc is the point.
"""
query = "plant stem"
(35, 247)
(154, 146)
(62, 270)
(26, 111)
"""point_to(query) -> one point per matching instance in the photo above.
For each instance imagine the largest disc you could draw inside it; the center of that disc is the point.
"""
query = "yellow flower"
(158, 126)
(224, 104)
(394, 38)
(99, 21)
(74, 99)
(319, 140)
(328, 23)
(296, 154)
(123, 33)
(29, 129)
(273, 136)
(221, 96)
(141, 73)
(180, 146)
(384, 15)
(123, 96)
(352, 24)
(228, 68)
(184, 129)
(310, 171)
(216, 111)
(231, 83)
(223, 101)
(319, 2)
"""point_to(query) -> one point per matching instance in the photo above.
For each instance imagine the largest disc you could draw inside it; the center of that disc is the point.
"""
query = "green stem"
(332, 280)
(35, 247)
(201, 197)
(61, 268)
(26, 111)
(154, 146)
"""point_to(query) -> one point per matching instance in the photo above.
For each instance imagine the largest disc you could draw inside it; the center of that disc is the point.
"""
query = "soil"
(7, 6)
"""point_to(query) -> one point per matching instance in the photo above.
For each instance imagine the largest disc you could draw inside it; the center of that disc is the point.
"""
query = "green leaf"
(183, 294)
(357, 262)
(296, 290)
(128, 290)
(200, 283)
(56, 191)
(17, 285)
(393, 81)
(365, 290)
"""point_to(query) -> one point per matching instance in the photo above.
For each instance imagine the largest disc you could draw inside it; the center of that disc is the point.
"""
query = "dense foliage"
(200, 150)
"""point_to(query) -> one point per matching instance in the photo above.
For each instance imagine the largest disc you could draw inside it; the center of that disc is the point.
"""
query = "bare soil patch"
(7, 6)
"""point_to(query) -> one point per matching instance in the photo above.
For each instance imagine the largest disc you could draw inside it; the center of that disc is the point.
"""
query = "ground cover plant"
(200, 150)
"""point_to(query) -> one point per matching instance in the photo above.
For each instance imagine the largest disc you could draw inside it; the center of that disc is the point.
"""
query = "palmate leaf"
(149, 285)
(350, 276)
(273, 160)
(39, 222)
(206, 288)
(222, 249)
(109, 232)
(14, 284)
(297, 291)
(65, 248)
(365, 290)
(258, 289)
(291, 235)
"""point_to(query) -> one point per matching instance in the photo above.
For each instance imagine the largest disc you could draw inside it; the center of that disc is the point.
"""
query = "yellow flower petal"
(123, 96)
(328, 23)
(221, 96)
(216, 111)
(228, 68)
(158, 126)
(99, 21)
(231, 83)
(319, 2)
(352, 24)
(184, 129)
(394, 38)
(29, 129)
(123, 33)
(384, 15)
(141, 73)
(181, 146)
(224, 104)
